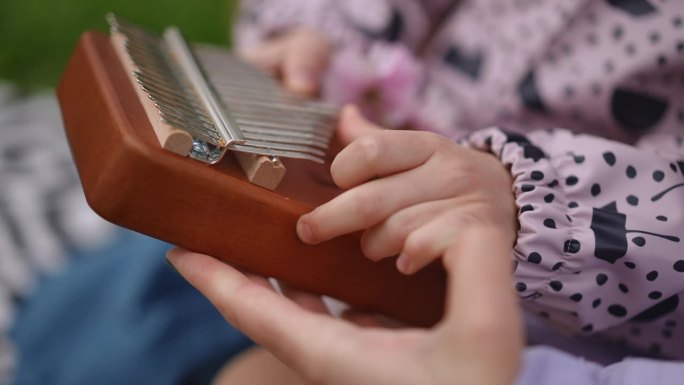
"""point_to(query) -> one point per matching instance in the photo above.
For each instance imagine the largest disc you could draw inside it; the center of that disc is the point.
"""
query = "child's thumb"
(353, 124)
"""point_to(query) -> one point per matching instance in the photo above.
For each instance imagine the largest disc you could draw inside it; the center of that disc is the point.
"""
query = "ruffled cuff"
(556, 272)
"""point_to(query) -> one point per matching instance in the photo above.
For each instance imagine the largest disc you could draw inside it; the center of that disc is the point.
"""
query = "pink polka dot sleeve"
(601, 239)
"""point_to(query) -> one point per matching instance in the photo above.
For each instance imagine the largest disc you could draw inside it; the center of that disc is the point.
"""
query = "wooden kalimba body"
(148, 163)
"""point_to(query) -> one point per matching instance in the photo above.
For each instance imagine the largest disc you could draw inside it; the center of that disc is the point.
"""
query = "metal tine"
(188, 123)
(278, 96)
(282, 139)
(145, 43)
(148, 58)
(180, 113)
(179, 104)
(217, 64)
(285, 127)
(322, 140)
(165, 89)
(165, 80)
(246, 93)
(148, 67)
(233, 81)
(141, 39)
(317, 127)
(172, 100)
(311, 127)
(232, 77)
(273, 98)
(165, 85)
(189, 127)
(305, 136)
(151, 60)
(272, 152)
(227, 73)
(162, 90)
(268, 92)
(255, 84)
(308, 123)
(290, 108)
(286, 147)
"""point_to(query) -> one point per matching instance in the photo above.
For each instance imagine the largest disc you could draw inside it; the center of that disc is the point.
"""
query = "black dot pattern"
(617, 310)
(679, 266)
(601, 279)
(535, 258)
(556, 285)
(609, 157)
(658, 176)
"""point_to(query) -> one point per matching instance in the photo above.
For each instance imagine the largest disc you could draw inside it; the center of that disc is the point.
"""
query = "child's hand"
(300, 58)
(413, 193)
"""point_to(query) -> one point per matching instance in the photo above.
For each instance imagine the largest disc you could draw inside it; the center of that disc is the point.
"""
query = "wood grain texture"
(129, 180)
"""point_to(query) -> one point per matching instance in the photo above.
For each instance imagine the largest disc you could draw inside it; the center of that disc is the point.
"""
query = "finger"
(311, 302)
(305, 61)
(267, 56)
(293, 334)
(429, 242)
(366, 205)
(387, 239)
(352, 125)
(378, 153)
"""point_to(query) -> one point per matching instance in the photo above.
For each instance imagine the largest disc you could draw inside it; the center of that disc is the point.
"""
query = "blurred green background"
(37, 36)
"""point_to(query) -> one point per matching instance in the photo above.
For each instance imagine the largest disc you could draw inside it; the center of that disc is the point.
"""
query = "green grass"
(37, 36)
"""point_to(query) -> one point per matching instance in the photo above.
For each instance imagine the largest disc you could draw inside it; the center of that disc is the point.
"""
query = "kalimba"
(190, 145)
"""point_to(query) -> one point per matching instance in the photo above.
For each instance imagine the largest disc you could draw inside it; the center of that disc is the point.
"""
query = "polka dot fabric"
(607, 258)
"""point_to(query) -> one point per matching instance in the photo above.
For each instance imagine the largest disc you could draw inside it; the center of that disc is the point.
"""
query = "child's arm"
(601, 239)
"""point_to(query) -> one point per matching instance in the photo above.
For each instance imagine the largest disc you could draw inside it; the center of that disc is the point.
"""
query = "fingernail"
(171, 266)
(404, 264)
(304, 232)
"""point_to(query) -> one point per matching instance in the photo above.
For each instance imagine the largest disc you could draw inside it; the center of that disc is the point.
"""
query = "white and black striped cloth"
(43, 213)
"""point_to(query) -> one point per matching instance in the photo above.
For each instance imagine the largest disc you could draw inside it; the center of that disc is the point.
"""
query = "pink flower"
(383, 82)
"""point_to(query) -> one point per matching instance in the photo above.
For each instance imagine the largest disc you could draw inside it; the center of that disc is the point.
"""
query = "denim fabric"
(121, 316)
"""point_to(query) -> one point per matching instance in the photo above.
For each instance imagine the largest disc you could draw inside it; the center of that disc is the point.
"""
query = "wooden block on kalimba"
(131, 181)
